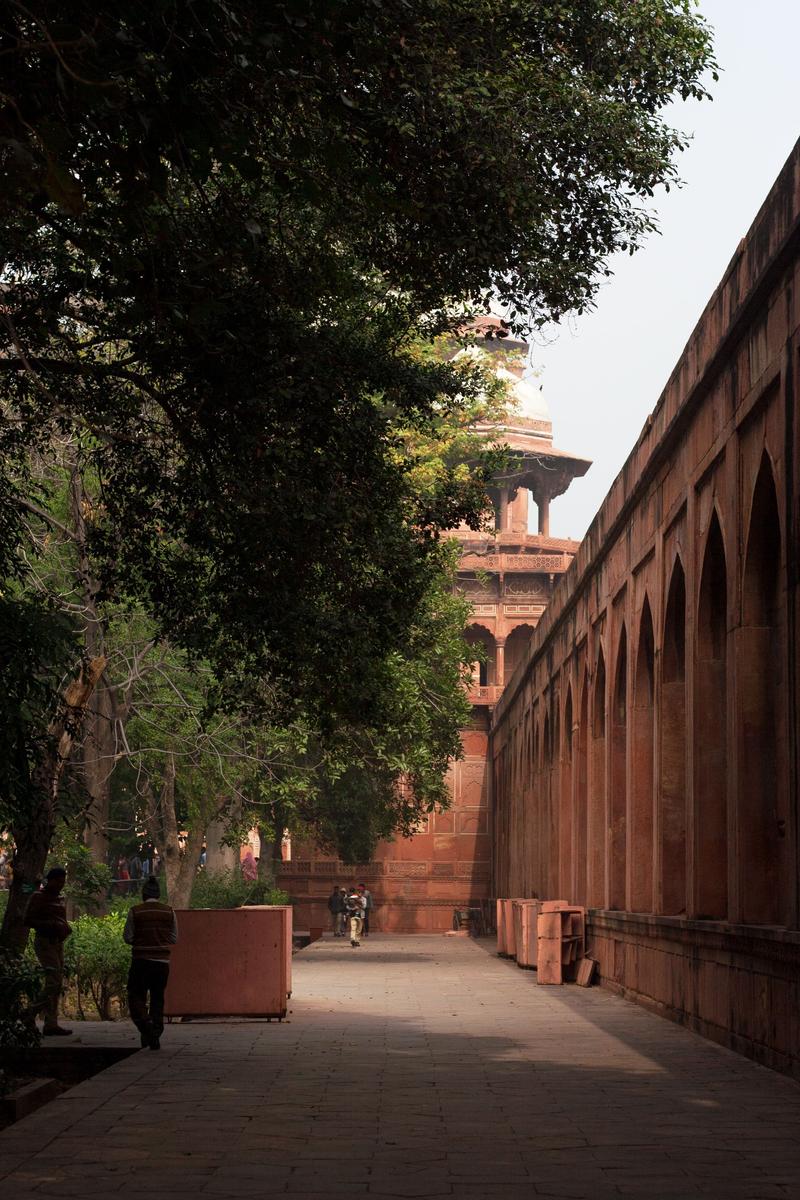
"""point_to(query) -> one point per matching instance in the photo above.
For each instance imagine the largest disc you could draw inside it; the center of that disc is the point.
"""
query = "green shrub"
(21, 983)
(98, 960)
(229, 889)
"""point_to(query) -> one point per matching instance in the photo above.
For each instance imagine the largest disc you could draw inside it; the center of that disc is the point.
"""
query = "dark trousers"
(366, 922)
(147, 978)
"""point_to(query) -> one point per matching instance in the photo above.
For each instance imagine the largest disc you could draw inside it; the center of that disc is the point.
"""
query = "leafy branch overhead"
(232, 233)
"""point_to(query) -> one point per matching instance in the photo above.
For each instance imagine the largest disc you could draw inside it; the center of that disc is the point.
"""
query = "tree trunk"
(152, 823)
(33, 834)
(97, 751)
(98, 761)
(278, 825)
(170, 849)
(181, 891)
(218, 857)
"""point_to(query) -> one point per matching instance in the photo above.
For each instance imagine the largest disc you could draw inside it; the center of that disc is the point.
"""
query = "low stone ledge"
(26, 1099)
(736, 984)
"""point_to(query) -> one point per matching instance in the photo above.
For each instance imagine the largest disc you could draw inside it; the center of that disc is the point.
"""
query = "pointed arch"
(597, 788)
(582, 794)
(565, 803)
(618, 800)
(672, 759)
(517, 642)
(641, 840)
(711, 729)
(761, 807)
(568, 725)
(552, 814)
(483, 672)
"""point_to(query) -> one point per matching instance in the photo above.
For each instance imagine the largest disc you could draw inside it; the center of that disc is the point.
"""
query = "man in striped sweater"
(151, 930)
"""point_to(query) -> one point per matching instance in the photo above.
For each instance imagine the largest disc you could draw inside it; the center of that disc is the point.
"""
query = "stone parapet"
(736, 984)
(645, 750)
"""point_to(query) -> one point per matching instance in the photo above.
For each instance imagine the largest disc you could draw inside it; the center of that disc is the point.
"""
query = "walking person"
(151, 930)
(47, 916)
(355, 912)
(343, 917)
(336, 908)
(368, 906)
(249, 867)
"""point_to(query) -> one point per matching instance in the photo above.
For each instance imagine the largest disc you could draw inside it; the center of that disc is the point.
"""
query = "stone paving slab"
(418, 1067)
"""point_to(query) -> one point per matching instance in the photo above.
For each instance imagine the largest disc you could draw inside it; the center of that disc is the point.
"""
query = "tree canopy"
(222, 220)
(228, 227)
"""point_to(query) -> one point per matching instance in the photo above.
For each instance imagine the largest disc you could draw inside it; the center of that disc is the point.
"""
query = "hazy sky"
(603, 373)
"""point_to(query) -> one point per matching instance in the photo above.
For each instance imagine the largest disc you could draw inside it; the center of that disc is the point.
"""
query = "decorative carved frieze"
(523, 610)
(515, 562)
(526, 587)
(408, 870)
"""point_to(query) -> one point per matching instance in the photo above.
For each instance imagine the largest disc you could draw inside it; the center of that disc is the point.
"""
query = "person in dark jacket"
(366, 895)
(151, 930)
(336, 909)
(47, 916)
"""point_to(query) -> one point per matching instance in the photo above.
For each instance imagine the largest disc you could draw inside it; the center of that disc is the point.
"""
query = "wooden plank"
(586, 968)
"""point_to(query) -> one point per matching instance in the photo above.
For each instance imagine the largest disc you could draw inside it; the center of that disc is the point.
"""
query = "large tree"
(223, 219)
(226, 224)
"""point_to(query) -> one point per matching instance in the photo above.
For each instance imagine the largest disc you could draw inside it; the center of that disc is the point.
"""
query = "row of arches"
(499, 656)
(658, 753)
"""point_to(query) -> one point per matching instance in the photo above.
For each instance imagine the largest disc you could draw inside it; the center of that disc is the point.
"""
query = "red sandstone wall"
(645, 753)
(416, 883)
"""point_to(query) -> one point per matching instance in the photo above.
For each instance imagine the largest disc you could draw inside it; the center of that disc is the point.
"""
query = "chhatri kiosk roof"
(528, 427)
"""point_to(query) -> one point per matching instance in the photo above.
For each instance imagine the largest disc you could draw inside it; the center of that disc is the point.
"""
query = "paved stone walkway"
(416, 1067)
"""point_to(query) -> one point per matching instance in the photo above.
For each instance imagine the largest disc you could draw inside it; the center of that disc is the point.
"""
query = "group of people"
(151, 931)
(130, 869)
(350, 910)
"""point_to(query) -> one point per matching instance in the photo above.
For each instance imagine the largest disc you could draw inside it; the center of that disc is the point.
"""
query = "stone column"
(544, 515)
(519, 512)
(502, 514)
(500, 662)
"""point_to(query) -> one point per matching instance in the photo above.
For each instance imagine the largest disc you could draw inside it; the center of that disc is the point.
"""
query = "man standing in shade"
(151, 930)
(336, 909)
(366, 895)
(47, 916)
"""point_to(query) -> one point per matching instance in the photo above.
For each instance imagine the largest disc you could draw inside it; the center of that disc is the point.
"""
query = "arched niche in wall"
(672, 771)
(597, 788)
(582, 795)
(553, 813)
(517, 643)
(760, 671)
(710, 753)
(642, 736)
(565, 804)
(618, 799)
(483, 672)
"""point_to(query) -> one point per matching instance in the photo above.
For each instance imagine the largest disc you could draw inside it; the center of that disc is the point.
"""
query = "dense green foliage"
(38, 647)
(97, 960)
(229, 889)
(220, 237)
(228, 229)
(21, 983)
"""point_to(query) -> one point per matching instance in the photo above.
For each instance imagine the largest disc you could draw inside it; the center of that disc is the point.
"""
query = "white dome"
(530, 403)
